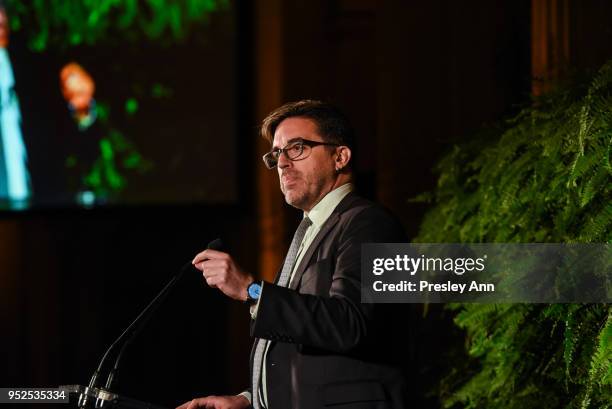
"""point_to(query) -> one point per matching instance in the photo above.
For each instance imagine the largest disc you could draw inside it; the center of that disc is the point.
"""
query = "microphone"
(216, 244)
(136, 326)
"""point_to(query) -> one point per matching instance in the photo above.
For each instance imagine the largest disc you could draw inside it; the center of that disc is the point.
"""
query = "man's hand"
(217, 402)
(220, 271)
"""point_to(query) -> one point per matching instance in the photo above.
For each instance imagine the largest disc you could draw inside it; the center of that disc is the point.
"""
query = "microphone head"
(216, 244)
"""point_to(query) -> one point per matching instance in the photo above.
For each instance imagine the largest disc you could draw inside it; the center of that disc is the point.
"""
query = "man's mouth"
(289, 179)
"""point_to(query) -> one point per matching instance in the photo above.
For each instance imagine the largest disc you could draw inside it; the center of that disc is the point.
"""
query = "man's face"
(77, 87)
(305, 181)
(4, 29)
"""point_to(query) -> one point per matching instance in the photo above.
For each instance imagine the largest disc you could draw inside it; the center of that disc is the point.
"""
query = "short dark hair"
(332, 124)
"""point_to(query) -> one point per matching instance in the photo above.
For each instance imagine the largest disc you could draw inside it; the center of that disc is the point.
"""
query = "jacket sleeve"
(336, 321)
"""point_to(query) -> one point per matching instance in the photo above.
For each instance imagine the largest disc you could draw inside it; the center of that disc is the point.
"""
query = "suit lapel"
(344, 204)
(327, 226)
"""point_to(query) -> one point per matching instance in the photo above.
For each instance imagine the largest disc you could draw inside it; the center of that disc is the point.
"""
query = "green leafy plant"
(76, 22)
(546, 178)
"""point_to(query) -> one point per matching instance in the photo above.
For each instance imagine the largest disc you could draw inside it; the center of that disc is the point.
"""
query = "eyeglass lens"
(292, 152)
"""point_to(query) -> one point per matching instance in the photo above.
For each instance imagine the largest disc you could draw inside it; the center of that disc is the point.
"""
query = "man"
(78, 89)
(15, 188)
(316, 344)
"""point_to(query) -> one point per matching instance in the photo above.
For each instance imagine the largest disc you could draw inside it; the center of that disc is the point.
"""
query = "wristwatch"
(253, 292)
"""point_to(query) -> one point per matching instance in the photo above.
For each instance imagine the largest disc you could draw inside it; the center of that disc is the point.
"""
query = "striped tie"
(283, 281)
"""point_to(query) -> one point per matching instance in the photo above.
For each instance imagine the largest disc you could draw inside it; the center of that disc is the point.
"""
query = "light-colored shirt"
(318, 215)
(16, 187)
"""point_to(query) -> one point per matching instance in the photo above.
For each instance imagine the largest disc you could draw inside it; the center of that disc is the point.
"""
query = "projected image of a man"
(14, 176)
(78, 89)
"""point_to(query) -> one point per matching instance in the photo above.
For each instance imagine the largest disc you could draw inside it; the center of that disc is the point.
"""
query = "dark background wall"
(416, 78)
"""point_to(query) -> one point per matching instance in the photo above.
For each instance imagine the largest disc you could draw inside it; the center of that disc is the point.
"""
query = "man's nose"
(283, 162)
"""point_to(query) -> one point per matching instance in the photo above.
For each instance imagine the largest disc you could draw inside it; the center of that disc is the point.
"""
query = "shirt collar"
(322, 210)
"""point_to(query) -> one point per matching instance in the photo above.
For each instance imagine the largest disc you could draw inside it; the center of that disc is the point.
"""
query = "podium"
(91, 397)
(97, 398)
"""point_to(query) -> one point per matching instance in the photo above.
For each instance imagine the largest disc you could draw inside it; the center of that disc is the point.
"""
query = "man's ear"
(343, 157)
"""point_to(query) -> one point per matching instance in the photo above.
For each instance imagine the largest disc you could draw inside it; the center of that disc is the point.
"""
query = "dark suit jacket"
(329, 349)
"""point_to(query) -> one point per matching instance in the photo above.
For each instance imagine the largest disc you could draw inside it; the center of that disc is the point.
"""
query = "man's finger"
(213, 264)
(208, 254)
(187, 405)
(197, 403)
(212, 281)
(209, 270)
(198, 257)
(207, 263)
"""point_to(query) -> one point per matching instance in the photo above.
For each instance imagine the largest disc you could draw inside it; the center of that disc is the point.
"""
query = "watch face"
(254, 291)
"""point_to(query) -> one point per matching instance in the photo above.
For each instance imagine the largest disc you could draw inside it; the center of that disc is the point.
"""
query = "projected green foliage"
(546, 178)
(118, 158)
(61, 26)
(76, 22)
(131, 106)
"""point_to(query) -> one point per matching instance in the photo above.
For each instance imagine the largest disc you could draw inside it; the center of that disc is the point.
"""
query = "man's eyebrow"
(299, 138)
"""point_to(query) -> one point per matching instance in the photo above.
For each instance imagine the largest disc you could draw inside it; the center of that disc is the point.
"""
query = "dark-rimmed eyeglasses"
(296, 150)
